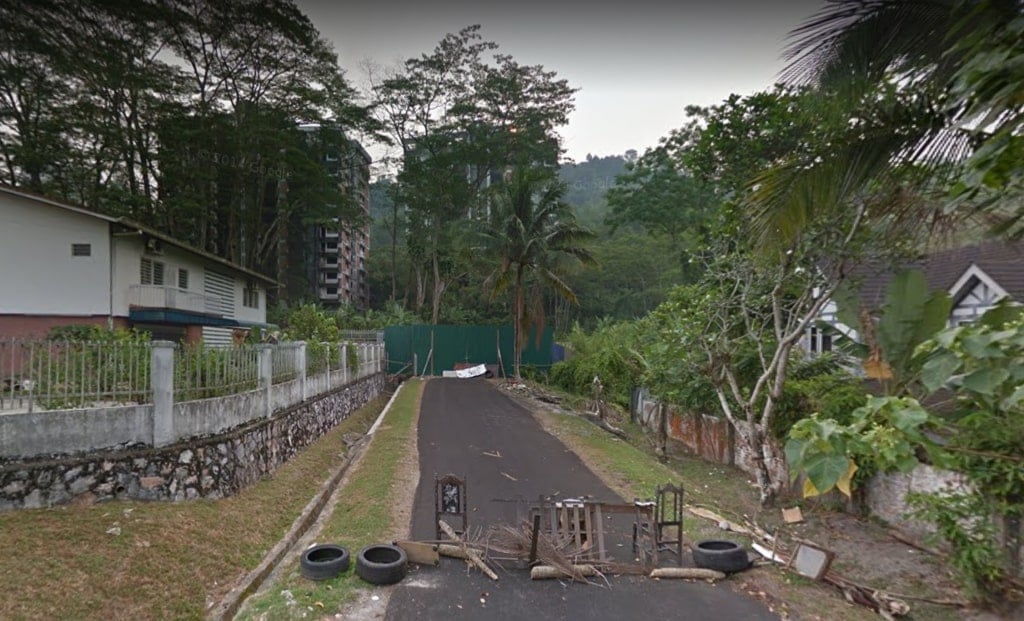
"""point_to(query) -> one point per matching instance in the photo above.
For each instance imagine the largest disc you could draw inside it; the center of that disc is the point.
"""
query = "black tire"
(724, 556)
(381, 564)
(324, 562)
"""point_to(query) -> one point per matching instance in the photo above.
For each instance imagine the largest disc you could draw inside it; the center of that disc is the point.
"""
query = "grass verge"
(168, 560)
(632, 470)
(364, 514)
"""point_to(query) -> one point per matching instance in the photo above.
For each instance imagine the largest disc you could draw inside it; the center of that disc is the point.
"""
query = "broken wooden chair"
(450, 503)
(658, 525)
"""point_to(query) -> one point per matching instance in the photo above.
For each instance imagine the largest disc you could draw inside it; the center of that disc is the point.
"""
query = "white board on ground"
(476, 371)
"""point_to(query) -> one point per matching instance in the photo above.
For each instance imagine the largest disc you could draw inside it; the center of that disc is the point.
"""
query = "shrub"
(609, 353)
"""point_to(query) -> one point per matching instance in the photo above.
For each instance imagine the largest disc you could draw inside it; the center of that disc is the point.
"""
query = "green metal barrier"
(461, 344)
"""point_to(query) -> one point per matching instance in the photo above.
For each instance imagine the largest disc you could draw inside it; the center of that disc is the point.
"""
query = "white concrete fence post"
(162, 382)
(344, 363)
(300, 368)
(265, 364)
(341, 362)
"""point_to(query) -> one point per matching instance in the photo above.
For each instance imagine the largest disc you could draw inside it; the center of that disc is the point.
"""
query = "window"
(818, 342)
(81, 250)
(152, 272)
(250, 298)
(182, 279)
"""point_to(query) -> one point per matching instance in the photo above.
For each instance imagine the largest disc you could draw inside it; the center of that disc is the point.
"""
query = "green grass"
(632, 470)
(171, 560)
(362, 516)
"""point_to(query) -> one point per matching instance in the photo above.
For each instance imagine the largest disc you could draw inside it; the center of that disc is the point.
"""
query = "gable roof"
(141, 228)
(1000, 261)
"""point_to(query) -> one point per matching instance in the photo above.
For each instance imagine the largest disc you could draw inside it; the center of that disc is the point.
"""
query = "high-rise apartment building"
(336, 267)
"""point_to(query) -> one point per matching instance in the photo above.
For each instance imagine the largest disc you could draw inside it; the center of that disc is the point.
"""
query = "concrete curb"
(232, 602)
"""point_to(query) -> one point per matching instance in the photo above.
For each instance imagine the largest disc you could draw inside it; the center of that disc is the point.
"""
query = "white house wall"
(129, 251)
(128, 254)
(38, 275)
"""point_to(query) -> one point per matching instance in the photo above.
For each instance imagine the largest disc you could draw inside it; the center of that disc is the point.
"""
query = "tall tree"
(532, 231)
(459, 121)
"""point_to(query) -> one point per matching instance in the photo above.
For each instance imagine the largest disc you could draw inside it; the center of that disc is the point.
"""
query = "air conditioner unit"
(154, 246)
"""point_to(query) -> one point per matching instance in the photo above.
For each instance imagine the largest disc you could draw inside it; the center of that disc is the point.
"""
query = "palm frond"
(854, 43)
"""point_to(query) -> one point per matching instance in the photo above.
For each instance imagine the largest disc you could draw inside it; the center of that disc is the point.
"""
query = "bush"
(834, 394)
(609, 353)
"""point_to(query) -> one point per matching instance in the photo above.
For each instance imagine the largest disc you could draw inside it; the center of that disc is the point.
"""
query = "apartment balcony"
(170, 305)
(326, 233)
(325, 296)
(328, 278)
(160, 296)
(328, 263)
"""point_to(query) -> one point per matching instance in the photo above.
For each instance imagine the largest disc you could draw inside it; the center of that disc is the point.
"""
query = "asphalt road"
(469, 428)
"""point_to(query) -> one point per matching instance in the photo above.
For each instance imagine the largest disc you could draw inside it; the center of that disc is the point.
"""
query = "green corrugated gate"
(461, 344)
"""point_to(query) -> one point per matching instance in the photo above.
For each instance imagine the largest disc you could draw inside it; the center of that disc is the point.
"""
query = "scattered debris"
(723, 523)
(114, 530)
(812, 561)
(420, 553)
(885, 604)
(509, 476)
(547, 572)
(792, 515)
(473, 555)
(691, 573)
(496, 453)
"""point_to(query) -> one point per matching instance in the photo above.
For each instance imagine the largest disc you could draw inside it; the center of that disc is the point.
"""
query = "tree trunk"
(662, 448)
(517, 348)
(439, 287)
(394, 252)
(755, 443)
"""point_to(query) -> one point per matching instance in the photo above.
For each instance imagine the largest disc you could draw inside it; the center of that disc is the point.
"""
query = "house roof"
(1001, 261)
(140, 228)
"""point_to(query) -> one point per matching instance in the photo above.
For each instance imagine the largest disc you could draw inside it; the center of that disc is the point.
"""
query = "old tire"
(381, 564)
(323, 562)
(724, 556)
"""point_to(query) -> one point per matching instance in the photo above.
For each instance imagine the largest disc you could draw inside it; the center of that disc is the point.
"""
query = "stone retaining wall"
(202, 467)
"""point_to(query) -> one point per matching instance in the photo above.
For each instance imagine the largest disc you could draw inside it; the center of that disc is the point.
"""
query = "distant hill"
(587, 181)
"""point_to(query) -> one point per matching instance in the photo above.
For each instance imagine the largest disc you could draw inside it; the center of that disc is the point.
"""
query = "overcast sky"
(637, 63)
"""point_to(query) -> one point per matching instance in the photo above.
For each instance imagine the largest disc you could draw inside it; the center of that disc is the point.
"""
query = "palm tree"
(533, 232)
(924, 94)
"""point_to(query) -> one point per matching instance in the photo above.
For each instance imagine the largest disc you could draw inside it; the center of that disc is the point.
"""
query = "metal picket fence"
(52, 374)
(71, 374)
(204, 372)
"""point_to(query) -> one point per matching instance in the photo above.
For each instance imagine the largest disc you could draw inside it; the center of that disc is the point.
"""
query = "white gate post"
(162, 382)
(265, 364)
(300, 367)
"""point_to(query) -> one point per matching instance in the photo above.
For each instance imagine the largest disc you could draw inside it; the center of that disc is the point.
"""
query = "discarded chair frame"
(659, 525)
(450, 503)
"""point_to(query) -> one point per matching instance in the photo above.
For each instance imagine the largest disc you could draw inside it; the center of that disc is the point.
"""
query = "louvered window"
(151, 272)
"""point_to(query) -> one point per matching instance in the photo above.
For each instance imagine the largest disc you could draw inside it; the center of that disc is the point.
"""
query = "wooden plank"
(545, 572)
(420, 553)
(687, 573)
(601, 553)
(473, 557)
(613, 508)
(576, 528)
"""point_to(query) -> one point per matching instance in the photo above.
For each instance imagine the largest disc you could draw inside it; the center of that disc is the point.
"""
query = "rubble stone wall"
(201, 467)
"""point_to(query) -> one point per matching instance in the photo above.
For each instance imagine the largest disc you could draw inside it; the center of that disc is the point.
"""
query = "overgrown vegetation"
(610, 352)
(983, 439)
